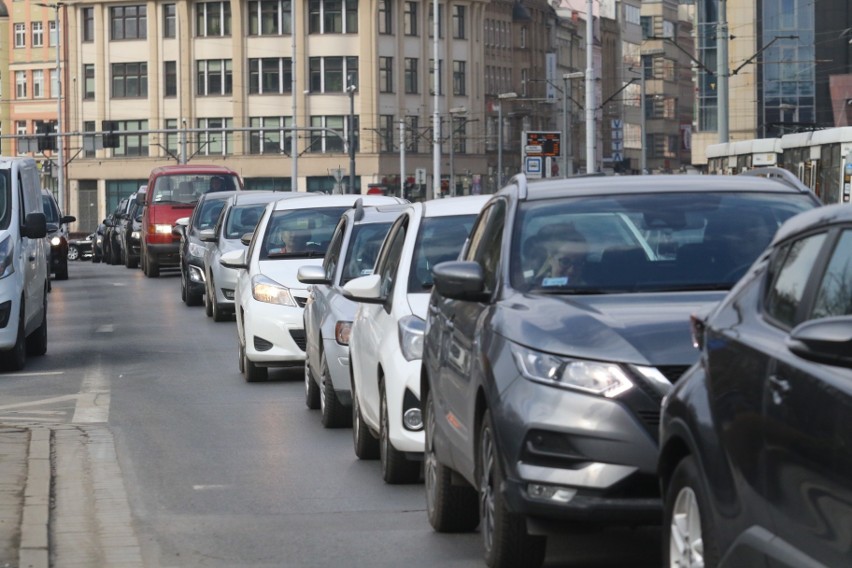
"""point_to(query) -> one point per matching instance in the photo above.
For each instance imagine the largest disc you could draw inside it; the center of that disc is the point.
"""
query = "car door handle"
(780, 388)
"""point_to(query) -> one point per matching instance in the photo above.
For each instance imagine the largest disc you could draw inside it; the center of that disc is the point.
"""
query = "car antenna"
(359, 208)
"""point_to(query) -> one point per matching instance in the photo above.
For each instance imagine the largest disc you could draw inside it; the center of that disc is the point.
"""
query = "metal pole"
(60, 180)
(643, 164)
(294, 148)
(499, 144)
(566, 134)
(436, 119)
(452, 152)
(722, 70)
(402, 178)
(351, 90)
(591, 162)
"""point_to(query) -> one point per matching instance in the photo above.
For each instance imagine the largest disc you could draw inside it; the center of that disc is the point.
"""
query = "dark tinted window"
(5, 199)
(51, 211)
(796, 261)
(391, 253)
(834, 297)
(440, 239)
(332, 256)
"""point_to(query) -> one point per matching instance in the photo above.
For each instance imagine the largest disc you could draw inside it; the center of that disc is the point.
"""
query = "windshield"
(650, 242)
(440, 239)
(5, 199)
(51, 211)
(364, 246)
(243, 219)
(187, 188)
(300, 232)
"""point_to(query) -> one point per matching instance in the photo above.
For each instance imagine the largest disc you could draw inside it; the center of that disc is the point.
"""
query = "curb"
(33, 551)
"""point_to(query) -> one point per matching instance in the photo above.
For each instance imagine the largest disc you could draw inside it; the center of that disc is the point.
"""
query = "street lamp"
(351, 88)
(502, 97)
(567, 148)
(453, 112)
(643, 163)
(60, 176)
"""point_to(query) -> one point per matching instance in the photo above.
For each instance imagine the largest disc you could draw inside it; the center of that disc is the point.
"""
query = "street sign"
(549, 143)
(617, 145)
(533, 167)
(420, 176)
(617, 157)
(617, 124)
(338, 174)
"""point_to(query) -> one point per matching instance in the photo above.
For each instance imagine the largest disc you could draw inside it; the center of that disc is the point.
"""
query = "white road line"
(208, 487)
(106, 328)
(40, 402)
(38, 374)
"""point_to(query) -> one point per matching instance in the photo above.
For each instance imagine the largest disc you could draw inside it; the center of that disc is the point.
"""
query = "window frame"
(122, 18)
(140, 76)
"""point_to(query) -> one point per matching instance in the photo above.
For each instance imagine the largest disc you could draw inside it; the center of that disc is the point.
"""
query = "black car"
(112, 235)
(128, 230)
(81, 249)
(756, 439)
(57, 235)
(552, 341)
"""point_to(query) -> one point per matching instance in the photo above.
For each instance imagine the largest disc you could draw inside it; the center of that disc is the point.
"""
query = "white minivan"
(23, 264)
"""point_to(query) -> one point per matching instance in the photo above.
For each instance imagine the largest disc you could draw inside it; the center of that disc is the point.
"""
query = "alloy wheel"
(486, 487)
(430, 465)
(686, 543)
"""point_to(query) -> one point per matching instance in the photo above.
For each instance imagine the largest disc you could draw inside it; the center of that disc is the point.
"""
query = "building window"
(213, 19)
(460, 78)
(51, 33)
(213, 77)
(215, 141)
(459, 26)
(20, 84)
(432, 77)
(647, 23)
(169, 21)
(38, 34)
(385, 74)
(87, 15)
(409, 19)
(323, 141)
(385, 17)
(54, 82)
(270, 75)
(20, 35)
(88, 81)
(412, 134)
(89, 126)
(172, 147)
(129, 80)
(269, 17)
(38, 84)
(273, 138)
(131, 142)
(440, 22)
(333, 16)
(523, 38)
(332, 74)
(128, 22)
(411, 76)
(386, 131)
(459, 135)
(525, 79)
(170, 78)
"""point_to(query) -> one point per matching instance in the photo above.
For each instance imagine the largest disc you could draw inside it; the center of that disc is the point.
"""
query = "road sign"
(617, 157)
(617, 145)
(338, 174)
(420, 176)
(617, 124)
(543, 143)
(533, 167)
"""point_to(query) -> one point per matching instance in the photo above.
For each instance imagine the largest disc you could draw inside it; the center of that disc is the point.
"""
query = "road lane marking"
(106, 328)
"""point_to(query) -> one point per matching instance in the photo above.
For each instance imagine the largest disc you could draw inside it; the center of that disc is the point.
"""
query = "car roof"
(613, 185)
(376, 214)
(259, 197)
(217, 195)
(819, 217)
(193, 169)
(312, 201)
(448, 206)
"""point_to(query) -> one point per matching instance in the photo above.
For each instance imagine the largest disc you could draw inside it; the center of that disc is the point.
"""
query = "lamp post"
(643, 160)
(453, 112)
(567, 146)
(501, 97)
(60, 175)
(351, 88)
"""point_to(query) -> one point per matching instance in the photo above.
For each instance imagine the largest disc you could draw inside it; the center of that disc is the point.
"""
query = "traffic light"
(45, 138)
(109, 128)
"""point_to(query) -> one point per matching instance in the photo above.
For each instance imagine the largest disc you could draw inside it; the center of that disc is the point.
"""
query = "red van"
(172, 193)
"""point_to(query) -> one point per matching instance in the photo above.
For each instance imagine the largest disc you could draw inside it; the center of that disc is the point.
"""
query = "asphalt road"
(219, 472)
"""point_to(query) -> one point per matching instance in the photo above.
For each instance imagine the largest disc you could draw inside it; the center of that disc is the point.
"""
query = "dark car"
(204, 216)
(98, 243)
(552, 341)
(756, 439)
(81, 249)
(117, 222)
(128, 230)
(57, 235)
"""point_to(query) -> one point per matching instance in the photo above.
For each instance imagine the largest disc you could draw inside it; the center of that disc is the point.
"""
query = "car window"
(207, 213)
(329, 263)
(364, 246)
(439, 239)
(794, 265)
(5, 200)
(301, 233)
(391, 253)
(834, 296)
(489, 242)
(241, 219)
(187, 188)
(51, 211)
(644, 242)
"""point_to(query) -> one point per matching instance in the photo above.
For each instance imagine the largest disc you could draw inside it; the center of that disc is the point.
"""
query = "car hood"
(642, 329)
(419, 303)
(284, 271)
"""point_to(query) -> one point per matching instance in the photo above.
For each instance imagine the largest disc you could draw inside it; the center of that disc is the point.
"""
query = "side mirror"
(235, 259)
(312, 275)
(207, 235)
(35, 226)
(246, 239)
(67, 219)
(183, 221)
(460, 280)
(366, 289)
(826, 340)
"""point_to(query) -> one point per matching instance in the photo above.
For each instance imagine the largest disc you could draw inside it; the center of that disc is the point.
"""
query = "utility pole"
(402, 178)
(350, 88)
(294, 147)
(590, 91)
(722, 70)
(568, 143)
(60, 156)
(436, 116)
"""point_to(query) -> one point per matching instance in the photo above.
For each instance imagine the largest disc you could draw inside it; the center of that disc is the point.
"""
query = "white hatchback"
(385, 345)
(268, 298)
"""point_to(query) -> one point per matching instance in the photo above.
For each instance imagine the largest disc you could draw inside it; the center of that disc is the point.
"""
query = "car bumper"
(337, 356)
(195, 280)
(592, 452)
(164, 253)
(274, 334)
(401, 375)
(225, 282)
(10, 308)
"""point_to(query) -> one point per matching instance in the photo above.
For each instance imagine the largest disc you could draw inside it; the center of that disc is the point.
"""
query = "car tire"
(37, 340)
(451, 507)
(242, 358)
(366, 445)
(61, 272)
(216, 311)
(208, 304)
(16, 358)
(130, 262)
(504, 534)
(191, 298)
(396, 468)
(688, 530)
(334, 414)
(312, 394)
(73, 252)
(114, 255)
(153, 268)
(253, 373)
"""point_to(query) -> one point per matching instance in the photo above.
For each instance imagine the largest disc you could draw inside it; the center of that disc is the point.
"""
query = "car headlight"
(134, 235)
(411, 330)
(55, 241)
(593, 377)
(342, 331)
(266, 290)
(196, 250)
(162, 229)
(7, 257)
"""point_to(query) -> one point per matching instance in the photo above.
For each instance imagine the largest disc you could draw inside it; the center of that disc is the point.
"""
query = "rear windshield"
(187, 188)
(51, 211)
(439, 239)
(243, 219)
(300, 233)
(651, 242)
(364, 246)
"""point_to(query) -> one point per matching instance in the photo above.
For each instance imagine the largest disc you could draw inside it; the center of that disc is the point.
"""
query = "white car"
(268, 298)
(386, 341)
(237, 219)
(328, 315)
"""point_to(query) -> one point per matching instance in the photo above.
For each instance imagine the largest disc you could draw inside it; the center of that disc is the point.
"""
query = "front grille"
(261, 344)
(301, 301)
(651, 418)
(673, 372)
(299, 337)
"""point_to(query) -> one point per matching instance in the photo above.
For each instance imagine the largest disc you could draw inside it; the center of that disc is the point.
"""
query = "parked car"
(268, 298)
(172, 193)
(128, 230)
(57, 234)
(81, 249)
(756, 444)
(550, 344)
(23, 264)
(192, 248)
(385, 345)
(98, 243)
(238, 219)
(112, 232)
(328, 314)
